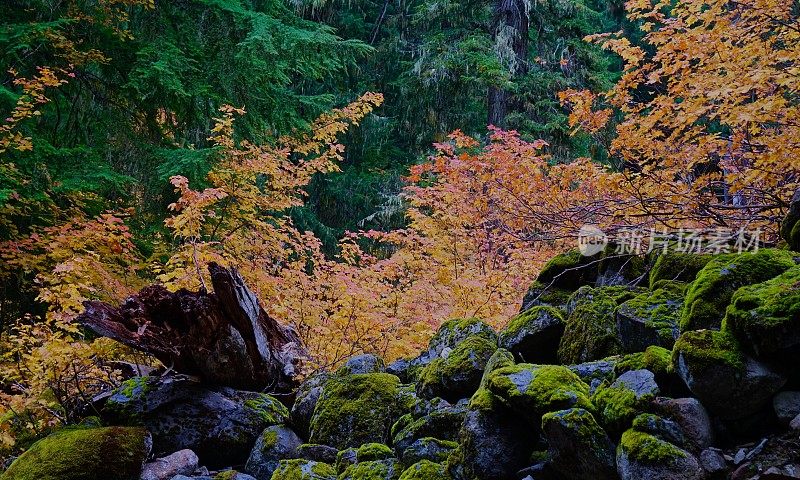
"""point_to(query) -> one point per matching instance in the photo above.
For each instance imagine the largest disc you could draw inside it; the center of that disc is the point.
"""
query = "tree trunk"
(510, 34)
(225, 338)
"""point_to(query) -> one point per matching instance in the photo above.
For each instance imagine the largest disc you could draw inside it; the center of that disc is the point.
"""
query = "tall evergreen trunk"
(510, 34)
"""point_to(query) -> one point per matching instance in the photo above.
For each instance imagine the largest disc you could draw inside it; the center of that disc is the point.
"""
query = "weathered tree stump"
(225, 337)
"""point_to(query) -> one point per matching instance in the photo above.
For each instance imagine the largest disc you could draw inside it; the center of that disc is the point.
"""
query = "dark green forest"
(146, 82)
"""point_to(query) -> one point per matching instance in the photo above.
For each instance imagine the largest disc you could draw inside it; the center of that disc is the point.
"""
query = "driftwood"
(225, 338)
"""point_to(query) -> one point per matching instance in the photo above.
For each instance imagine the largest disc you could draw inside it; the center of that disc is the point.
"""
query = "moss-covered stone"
(790, 227)
(646, 448)
(84, 454)
(356, 409)
(578, 448)
(443, 424)
(569, 270)
(591, 329)
(428, 448)
(458, 374)
(390, 469)
(499, 359)
(711, 292)
(533, 335)
(455, 331)
(650, 318)
(708, 348)
(730, 384)
(300, 469)
(677, 266)
(656, 359)
(345, 458)
(540, 294)
(533, 390)
(616, 407)
(373, 451)
(765, 317)
(425, 470)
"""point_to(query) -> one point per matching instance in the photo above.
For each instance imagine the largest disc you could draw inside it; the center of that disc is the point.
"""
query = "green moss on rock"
(533, 390)
(268, 408)
(356, 409)
(645, 448)
(540, 294)
(677, 266)
(373, 451)
(455, 331)
(425, 470)
(650, 318)
(84, 454)
(373, 470)
(712, 290)
(458, 374)
(765, 317)
(568, 270)
(656, 359)
(591, 329)
(617, 407)
(708, 348)
(299, 469)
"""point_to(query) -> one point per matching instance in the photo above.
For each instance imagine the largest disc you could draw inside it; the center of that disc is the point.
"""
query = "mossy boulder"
(577, 447)
(676, 266)
(765, 317)
(591, 329)
(620, 402)
(345, 458)
(655, 359)
(539, 294)
(443, 423)
(650, 318)
(428, 448)
(727, 382)
(457, 374)
(356, 409)
(533, 336)
(499, 359)
(426, 470)
(569, 271)
(455, 331)
(84, 454)
(712, 290)
(276, 443)
(300, 469)
(219, 424)
(642, 455)
(533, 390)
(596, 372)
(389, 469)
(619, 269)
(493, 442)
(373, 451)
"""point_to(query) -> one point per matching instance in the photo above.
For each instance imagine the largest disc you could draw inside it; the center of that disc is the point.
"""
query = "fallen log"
(225, 337)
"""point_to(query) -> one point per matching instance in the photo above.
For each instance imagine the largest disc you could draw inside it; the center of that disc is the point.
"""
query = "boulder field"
(665, 367)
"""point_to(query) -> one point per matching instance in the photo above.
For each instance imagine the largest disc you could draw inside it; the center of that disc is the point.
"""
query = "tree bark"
(510, 34)
(225, 338)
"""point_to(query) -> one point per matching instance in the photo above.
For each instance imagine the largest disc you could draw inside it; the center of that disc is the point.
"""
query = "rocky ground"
(674, 366)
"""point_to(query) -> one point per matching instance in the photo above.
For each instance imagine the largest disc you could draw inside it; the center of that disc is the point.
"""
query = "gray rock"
(366, 363)
(597, 370)
(713, 462)
(578, 448)
(640, 382)
(345, 458)
(533, 336)
(305, 401)
(787, 406)
(428, 448)
(219, 424)
(318, 453)
(795, 423)
(182, 462)
(662, 428)
(276, 443)
(443, 423)
(728, 391)
(493, 444)
(692, 417)
(682, 466)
